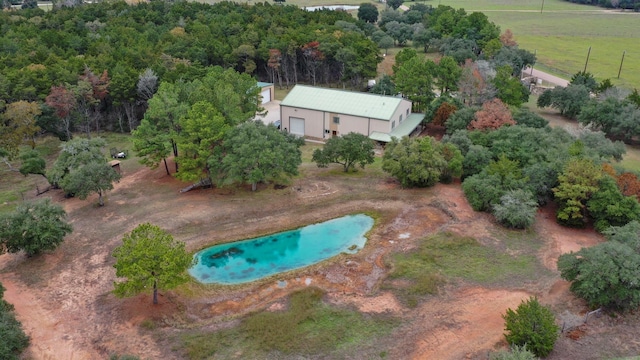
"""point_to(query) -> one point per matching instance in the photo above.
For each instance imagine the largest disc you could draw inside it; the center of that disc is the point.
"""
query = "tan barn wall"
(350, 123)
(313, 120)
(382, 126)
(316, 122)
(403, 109)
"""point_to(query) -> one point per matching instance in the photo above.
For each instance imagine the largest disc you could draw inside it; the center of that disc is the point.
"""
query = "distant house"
(319, 113)
(267, 91)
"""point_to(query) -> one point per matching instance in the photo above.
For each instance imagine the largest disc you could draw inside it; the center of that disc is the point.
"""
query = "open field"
(472, 272)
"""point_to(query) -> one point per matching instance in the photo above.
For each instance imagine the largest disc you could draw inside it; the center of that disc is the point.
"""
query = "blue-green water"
(253, 259)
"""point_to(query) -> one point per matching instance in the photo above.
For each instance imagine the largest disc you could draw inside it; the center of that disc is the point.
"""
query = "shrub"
(460, 120)
(526, 117)
(533, 326)
(605, 275)
(12, 339)
(482, 191)
(516, 209)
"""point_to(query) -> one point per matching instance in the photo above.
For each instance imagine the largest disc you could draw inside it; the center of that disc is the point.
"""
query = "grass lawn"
(445, 257)
(307, 327)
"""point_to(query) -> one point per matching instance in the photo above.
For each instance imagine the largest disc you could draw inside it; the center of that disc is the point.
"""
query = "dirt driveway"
(64, 298)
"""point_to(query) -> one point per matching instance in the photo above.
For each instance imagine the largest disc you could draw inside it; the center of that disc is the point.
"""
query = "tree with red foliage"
(63, 101)
(628, 183)
(493, 115)
(442, 114)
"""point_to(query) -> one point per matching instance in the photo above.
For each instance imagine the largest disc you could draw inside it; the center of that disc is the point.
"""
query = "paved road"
(546, 77)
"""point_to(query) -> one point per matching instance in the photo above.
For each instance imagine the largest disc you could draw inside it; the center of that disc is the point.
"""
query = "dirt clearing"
(65, 303)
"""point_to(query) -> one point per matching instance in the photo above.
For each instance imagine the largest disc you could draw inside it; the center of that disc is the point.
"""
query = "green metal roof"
(404, 129)
(263, 84)
(342, 102)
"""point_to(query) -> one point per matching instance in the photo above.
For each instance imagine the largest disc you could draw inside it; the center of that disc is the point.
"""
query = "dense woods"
(94, 67)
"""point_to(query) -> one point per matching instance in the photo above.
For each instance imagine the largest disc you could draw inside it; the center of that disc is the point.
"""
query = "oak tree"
(348, 150)
(95, 177)
(605, 275)
(34, 227)
(253, 152)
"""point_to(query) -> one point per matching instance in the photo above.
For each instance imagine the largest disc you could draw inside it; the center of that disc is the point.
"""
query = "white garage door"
(266, 95)
(297, 126)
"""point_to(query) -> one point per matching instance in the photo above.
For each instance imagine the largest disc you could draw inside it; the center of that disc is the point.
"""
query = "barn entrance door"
(297, 126)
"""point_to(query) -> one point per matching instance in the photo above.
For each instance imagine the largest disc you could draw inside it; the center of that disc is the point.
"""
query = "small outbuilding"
(115, 165)
(267, 92)
(320, 113)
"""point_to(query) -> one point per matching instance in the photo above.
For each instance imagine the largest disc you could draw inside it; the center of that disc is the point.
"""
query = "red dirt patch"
(561, 239)
(464, 323)
(576, 334)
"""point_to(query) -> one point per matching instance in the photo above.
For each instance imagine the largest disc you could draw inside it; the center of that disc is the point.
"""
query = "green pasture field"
(562, 34)
(562, 40)
(510, 5)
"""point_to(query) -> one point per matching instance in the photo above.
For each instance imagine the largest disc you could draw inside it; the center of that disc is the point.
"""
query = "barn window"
(336, 120)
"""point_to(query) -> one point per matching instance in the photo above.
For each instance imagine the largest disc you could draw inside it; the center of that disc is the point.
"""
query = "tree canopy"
(368, 12)
(348, 150)
(254, 152)
(34, 227)
(149, 258)
(604, 275)
(95, 177)
(533, 326)
(420, 162)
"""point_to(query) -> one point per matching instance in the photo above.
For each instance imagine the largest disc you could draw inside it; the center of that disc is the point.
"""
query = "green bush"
(533, 326)
(526, 117)
(460, 119)
(482, 191)
(13, 340)
(605, 275)
(516, 209)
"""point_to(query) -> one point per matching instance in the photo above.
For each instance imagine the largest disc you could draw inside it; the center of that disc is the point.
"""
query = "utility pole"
(542, 7)
(619, 70)
(586, 62)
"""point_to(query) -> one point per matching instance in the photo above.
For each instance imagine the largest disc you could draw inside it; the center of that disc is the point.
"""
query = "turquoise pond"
(253, 259)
